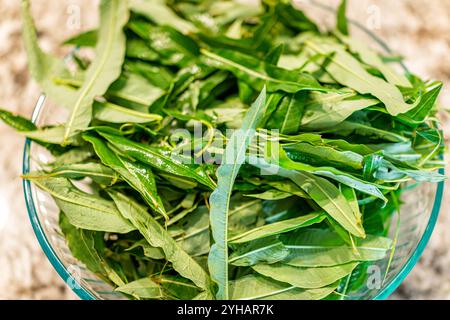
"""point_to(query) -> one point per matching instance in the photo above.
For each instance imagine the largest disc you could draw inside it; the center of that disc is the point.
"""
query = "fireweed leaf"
(158, 237)
(349, 72)
(299, 208)
(83, 210)
(105, 68)
(306, 278)
(220, 198)
(320, 248)
(44, 67)
(138, 176)
(255, 287)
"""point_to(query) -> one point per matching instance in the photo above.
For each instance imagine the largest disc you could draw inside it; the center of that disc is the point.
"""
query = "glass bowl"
(417, 218)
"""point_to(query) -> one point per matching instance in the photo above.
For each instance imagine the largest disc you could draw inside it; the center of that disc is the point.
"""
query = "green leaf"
(177, 287)
(149, 251)
(220, 199)
(349, 72)
(43, 67)
(51, 135)
(274, 55)
(131, 90)
(350, 195)
(326, 110)
(328, 197)
(25, 127)
(268, 250)
(195, 239)
(105, 68)
(270, 195)
(349, 128)
(17, 122)
(138, 176)
(158, 12)
(135, 91)
(323, 192)
(156, 75)
(257, 73)
(324, 248)
(346, 146)
(342, 23)
(254, 287)
(428, 102)
(160, 159)
(84, 39)
(109, 112)
(158, 237)
(98, 172)
(371, 58)
(325, 156)
(73, 156)
(173, 47)
(138, 49)
(278, 228)
(293, 18)
(307, 278)
(82, 245)
(144, 288)
(289, 187)
(285, 162)
(83, 210)
(288, 116)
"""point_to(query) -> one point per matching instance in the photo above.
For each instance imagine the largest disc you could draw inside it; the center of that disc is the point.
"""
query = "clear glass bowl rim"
(84, 294)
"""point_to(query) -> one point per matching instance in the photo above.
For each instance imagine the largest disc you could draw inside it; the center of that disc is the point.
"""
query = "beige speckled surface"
(417, 29)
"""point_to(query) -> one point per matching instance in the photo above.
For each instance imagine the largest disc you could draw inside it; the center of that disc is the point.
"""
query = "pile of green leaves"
(342, 131)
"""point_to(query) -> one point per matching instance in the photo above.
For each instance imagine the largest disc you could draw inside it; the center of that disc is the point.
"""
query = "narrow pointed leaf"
(257, 73)
(220, 199)
(371, 58)
(321, 248)
(110, 112)
(158, 237)
(106, 67)
(83, 210)
(43, 67)
(342, 22)
(82, 245)
(307, 278)
(278, 228)
(254, 287)
(349, 72)
(137, 175)
(144, 288)
(159, 159)
(160, 13)
(96, 171)
(268, 250)
(325, 110)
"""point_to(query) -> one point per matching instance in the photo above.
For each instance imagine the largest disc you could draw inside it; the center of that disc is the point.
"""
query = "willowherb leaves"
(306, 278)
(220, 198)
(83, 210)
(158, 237)
(137, 175)
(345, 69)
(254, 287)
(105, 68)
(173, 184)
(321, 248)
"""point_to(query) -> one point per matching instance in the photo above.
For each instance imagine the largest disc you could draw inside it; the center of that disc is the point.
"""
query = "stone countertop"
(419, 30)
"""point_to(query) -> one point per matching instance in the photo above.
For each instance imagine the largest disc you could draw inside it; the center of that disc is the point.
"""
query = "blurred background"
(418, 30)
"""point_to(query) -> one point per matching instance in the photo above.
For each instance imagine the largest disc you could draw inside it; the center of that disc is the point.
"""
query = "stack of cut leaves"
(298, 200)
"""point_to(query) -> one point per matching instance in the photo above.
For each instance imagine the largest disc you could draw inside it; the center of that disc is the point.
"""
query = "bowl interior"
(414, 224)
